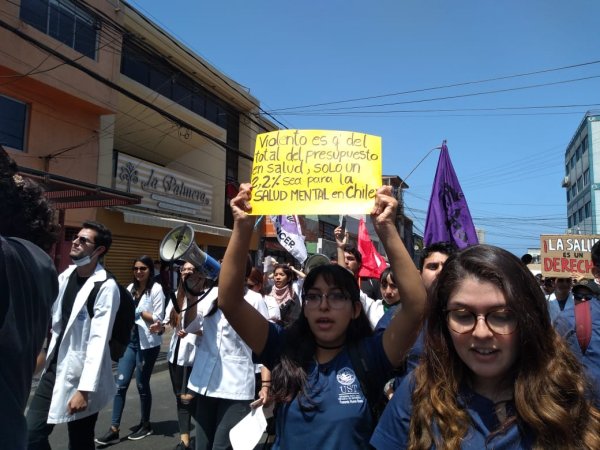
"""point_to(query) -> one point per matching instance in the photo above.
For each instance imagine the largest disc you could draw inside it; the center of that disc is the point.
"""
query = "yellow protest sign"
(315, 172)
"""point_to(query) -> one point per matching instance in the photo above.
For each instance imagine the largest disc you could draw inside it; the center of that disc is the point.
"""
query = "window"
(568, 195)
(64, 21)
(580, 212)
(578, 153)
(158, 74)
(573, 191)
(586, 177)
(580, 184)
(326, 230)
(588, 209)
(572, 162)
(13, 121)
(570, 223)
(584, 145)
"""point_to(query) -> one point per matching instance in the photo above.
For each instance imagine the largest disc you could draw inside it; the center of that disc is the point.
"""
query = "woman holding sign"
(318, 381)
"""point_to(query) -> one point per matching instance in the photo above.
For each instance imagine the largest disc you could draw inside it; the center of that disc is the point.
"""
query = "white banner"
(289, 235)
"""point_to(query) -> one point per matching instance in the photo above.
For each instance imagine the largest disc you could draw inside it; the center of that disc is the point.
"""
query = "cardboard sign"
(562, 255)
(315, 172)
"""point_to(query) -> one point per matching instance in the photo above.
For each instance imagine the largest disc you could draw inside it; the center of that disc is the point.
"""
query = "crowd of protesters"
(466, 350)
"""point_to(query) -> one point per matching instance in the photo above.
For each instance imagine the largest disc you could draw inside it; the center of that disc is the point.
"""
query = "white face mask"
(83, 261)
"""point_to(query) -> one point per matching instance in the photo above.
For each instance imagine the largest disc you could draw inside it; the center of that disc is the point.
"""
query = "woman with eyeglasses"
(142, 351)
(319, 399)
(494, 373)
(179, 315)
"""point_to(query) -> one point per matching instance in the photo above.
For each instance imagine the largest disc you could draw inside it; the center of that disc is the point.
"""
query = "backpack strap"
(92, 297)
(583, 324)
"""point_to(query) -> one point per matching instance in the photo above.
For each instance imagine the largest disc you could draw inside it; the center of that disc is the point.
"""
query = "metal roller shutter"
(123, 250)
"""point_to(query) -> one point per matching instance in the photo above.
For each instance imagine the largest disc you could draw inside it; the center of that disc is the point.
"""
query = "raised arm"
(400, 335)
(246, 320)
(341, 238)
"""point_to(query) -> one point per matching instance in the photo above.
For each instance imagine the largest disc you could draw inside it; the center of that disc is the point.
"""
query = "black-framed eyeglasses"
(499, 321)
(82, 240)
(583, 297)
(140, 268)
(335, 300)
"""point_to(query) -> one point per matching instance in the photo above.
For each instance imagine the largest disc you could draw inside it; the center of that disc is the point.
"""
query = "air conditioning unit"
(566, 182)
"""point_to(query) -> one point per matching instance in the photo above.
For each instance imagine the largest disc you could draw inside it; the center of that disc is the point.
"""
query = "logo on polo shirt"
(349, 392)
(346, 376)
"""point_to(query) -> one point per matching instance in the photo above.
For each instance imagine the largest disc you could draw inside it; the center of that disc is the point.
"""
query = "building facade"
(94, 92)
(582, 177)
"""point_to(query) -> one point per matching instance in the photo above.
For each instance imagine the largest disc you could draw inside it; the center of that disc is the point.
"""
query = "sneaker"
(142, 430)
(111, 437)
(181, 446)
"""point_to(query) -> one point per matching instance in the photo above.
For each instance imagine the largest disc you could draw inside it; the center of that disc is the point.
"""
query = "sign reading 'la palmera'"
(163, 189)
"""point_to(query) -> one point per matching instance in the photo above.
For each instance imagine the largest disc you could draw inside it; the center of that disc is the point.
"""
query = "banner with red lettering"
(562, 255)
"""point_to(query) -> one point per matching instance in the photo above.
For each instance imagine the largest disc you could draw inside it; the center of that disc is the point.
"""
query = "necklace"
(326, 347)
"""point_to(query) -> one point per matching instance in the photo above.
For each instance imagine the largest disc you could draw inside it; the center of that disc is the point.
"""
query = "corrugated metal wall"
(119, 260)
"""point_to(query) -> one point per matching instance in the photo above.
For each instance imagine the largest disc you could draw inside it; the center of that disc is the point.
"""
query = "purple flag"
(448, 216)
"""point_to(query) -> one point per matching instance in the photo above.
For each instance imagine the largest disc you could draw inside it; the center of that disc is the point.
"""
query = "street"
(163, 418)
(163, 415)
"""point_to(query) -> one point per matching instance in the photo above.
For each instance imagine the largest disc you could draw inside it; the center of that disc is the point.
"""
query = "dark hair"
(445, 248)
(103, 235)
(149, 263)
(351, 248)
(26, 213)
(298, 349)
(549, 386)
(291, 276)
(256, 277)
(384, 275)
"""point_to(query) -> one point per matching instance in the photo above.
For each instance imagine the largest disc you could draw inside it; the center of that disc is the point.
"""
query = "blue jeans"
(142, 361)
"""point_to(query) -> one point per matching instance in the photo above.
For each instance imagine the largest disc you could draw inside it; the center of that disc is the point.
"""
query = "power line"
(452, 97)
(465, 83)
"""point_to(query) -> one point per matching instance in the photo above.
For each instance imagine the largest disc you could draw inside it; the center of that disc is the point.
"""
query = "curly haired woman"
(495, 374)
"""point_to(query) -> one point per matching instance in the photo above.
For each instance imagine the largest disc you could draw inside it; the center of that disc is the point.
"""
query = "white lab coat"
(223, 367)
(187, 344)
(372, 308)
(83, 362)
(153, 302)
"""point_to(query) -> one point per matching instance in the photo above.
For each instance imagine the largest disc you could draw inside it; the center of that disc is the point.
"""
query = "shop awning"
(67, 193)
(158, 220)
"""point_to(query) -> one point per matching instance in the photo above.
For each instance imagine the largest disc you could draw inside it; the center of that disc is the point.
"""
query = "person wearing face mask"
(77, 381)
(180, 313)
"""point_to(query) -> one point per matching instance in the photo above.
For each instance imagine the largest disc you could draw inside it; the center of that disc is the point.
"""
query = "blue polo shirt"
(392, 430)
(340, 417)
(565, 326)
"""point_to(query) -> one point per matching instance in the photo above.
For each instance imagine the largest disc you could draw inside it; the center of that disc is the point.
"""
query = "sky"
(506, 83)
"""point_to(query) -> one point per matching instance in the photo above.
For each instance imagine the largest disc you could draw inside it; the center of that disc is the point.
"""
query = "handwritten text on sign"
(315, 172)
(563, 254)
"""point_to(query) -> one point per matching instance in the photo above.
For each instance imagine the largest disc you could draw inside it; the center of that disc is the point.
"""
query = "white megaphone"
(179, 244)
